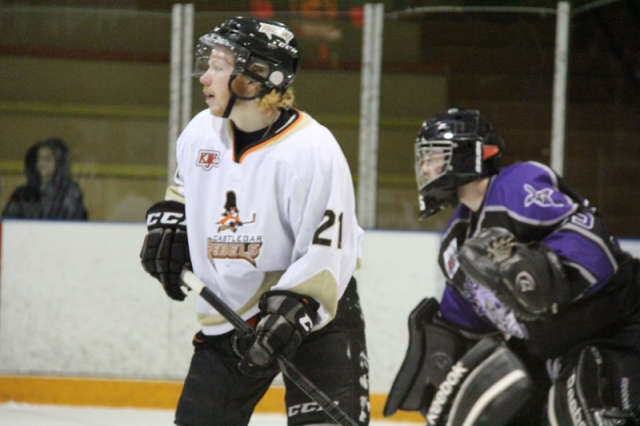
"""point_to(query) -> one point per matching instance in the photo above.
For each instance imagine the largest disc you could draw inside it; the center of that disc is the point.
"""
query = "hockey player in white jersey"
(263, 212)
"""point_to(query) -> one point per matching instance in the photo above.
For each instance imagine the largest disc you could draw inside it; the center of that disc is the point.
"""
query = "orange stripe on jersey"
(273, 139)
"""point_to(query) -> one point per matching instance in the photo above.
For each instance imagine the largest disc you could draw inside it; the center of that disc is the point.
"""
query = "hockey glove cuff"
(287, 318)
(165, 250)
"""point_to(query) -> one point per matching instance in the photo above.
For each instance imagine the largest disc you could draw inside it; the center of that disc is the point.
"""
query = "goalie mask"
(265, 51)
(452, 149)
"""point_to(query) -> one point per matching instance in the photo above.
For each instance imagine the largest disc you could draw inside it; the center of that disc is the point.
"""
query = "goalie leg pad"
(589, 390)
(432, 351)
(488, 385)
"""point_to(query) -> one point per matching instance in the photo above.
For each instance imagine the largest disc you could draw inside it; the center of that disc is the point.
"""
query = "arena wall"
(81, 323)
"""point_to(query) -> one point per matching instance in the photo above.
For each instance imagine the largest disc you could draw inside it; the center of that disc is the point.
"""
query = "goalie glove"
(165, 250)
(527, 278)
(287, 318)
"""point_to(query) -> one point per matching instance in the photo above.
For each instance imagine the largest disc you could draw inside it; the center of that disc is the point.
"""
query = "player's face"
(215, 80)
(433, 162)
(46, 163)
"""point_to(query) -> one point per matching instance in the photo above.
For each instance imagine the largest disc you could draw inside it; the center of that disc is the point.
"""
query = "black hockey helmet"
(266, 51)
(452, 149)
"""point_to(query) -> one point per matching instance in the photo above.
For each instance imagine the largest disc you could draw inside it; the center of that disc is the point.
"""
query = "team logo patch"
(208, 159)
(450, 259)
(542, 198)
(230, 246)
(244, 247)
(231, 216)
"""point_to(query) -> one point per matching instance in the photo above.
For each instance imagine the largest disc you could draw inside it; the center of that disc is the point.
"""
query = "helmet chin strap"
(232, 101)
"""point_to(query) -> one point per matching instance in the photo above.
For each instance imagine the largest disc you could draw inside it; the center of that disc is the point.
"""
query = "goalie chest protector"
(529, 200)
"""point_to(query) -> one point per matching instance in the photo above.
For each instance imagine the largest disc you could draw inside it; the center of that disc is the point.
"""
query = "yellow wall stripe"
(90, 170)
(162, 113)
(147, 171)
(139, 394)
(113, 111)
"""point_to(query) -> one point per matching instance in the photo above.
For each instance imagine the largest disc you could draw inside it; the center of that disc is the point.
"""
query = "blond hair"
(275, 100)
(268, 102)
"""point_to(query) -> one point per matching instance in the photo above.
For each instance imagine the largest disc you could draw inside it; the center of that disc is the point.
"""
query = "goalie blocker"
(456, 378)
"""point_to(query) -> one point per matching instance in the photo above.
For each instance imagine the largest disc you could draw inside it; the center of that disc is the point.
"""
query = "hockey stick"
(192, 282)
(253, 219)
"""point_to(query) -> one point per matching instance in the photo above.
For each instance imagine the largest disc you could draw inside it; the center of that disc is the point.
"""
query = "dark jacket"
(61, 199)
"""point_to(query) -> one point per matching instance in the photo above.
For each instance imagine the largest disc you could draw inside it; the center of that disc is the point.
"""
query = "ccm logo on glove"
(165, 250)
(166, 218)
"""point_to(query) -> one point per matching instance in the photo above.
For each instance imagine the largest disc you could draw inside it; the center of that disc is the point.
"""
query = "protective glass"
(432, 160)
(245, 63)
(207, 45)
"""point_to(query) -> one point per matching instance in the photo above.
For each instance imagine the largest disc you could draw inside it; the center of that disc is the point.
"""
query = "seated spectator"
(49, 192)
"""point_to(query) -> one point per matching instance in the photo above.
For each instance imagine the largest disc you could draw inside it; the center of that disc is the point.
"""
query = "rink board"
(78, 313)
(82, 324)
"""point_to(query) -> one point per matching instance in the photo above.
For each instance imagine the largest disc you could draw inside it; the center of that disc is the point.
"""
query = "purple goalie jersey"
(535, 204)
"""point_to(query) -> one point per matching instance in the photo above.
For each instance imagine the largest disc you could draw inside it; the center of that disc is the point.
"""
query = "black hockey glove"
(287, 318)
(527, 278)
(165, 250)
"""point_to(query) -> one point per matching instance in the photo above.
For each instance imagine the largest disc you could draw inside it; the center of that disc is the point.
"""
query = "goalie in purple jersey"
(540, 320)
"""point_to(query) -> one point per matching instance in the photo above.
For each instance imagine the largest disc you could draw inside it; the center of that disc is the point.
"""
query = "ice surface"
(19, 414)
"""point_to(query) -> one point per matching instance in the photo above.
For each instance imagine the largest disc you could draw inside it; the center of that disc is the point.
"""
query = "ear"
(253, 88)
(244, 86)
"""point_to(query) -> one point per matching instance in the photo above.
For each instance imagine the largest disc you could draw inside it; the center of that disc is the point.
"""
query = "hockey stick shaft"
(253, 219)
(287, 368)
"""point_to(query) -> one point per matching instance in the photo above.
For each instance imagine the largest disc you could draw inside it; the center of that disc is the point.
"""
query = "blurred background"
(97, 75)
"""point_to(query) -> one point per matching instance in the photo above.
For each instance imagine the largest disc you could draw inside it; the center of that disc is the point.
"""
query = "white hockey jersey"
(282, 216)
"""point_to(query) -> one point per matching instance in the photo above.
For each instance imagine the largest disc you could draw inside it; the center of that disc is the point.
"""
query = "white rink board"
(74, 301)
(398, 270)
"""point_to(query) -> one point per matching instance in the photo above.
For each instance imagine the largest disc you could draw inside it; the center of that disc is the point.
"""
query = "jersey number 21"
(328, 221)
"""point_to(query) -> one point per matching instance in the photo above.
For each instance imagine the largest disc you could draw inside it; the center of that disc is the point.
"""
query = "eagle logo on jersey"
(231, 216)
(225, 246)
(541, 198)
(208, 159)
